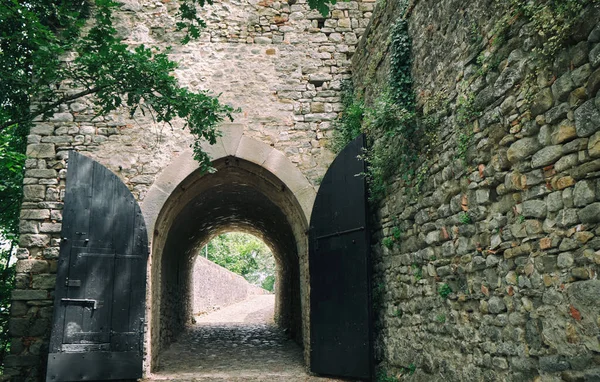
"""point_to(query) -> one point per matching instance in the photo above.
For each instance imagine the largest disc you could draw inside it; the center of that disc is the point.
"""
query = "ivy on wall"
(389, 123)
(400, 136)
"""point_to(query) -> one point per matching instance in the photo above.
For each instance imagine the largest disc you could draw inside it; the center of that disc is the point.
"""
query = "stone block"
(566, 162)
(534, 208)
(40, 173)
(29, 294)
(28, 226)
(34, 240)
(562, 182)
(567, 217)
(496, 305)
(59, 140)
(42, 129)
(593, 84)
(581, 74)
(587, 119)
(562, 87)
(554, 201)
(142, 179)
(564, 132)
(590, 213)
(584, 193)
(34, 192)
(32, 265)
(522, 148)
(557, 113)
(50, 227)
(51, 253)
(542, 102)
(595, 55)
(39, 327)
(546, 156)
(61, 117)
(41, 150)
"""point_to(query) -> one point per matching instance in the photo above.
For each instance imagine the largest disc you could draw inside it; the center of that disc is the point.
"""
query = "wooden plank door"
(99, 307)
(340, 280)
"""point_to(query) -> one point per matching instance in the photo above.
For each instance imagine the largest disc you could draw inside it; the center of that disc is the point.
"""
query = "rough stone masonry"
(522, 270)
(511, 231)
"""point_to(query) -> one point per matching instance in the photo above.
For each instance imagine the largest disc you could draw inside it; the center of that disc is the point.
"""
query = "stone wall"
(216, 287)
(280, 63)
(494, 274)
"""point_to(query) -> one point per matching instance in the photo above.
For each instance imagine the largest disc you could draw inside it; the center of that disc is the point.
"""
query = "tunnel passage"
(239, 196)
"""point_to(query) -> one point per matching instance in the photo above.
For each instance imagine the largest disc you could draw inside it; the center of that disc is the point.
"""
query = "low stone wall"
(215, 287)
(489, 271)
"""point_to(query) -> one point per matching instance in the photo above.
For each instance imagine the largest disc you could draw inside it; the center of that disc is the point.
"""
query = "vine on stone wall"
(391, 122)
(349, 124)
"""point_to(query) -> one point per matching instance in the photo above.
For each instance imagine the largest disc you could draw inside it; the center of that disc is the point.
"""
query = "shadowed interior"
(239, 196)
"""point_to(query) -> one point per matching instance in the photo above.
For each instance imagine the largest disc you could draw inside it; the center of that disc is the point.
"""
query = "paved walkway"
(236, 343)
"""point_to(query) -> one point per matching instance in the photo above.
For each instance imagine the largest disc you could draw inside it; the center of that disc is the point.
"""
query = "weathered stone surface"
(33, 266)
(41, 173)
(594, 145)
(593, 84)
(564, 132)
(61, 117)
(496, 305)
(35, 214)
(34, 240)
(590, 213)
(45, 281)
(587, 119)
(595, 55)
(29, 294)
(546, 156)
(584, 193)
(542, 102)
(534, 208)
(42, 150)
(522, 148)
(562, 87)
(34, 192)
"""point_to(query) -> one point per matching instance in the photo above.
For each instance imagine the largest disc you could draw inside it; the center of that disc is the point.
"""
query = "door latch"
(82, 301)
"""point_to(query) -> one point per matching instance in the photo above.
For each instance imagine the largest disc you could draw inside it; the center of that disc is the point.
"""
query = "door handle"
(83, 301)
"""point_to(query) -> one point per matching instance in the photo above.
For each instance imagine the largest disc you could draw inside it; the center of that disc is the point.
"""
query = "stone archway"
(256, 189)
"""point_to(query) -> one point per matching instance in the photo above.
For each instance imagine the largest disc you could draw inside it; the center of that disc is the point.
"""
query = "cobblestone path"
(237, 343)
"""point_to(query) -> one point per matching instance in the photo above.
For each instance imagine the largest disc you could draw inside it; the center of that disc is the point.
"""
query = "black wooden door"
(99, 306)
(340, 298)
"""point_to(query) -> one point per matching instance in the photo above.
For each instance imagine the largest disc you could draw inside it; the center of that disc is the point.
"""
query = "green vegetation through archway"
(245, 255)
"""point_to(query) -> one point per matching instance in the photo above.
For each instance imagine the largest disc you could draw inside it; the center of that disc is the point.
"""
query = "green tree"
(35, 37)
(245, 255)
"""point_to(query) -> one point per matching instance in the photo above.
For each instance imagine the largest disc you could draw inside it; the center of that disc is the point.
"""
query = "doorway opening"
(240, 196)
(234, 280)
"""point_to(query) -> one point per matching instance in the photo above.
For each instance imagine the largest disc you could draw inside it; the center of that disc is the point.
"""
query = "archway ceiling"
(231, 205)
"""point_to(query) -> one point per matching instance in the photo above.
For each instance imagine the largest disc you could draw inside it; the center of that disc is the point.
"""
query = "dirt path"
(256, 309)
(237, 343)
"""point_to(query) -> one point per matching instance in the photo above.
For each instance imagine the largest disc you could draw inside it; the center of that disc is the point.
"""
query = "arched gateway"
(100, 331)
(255, 189)
(282, 64)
